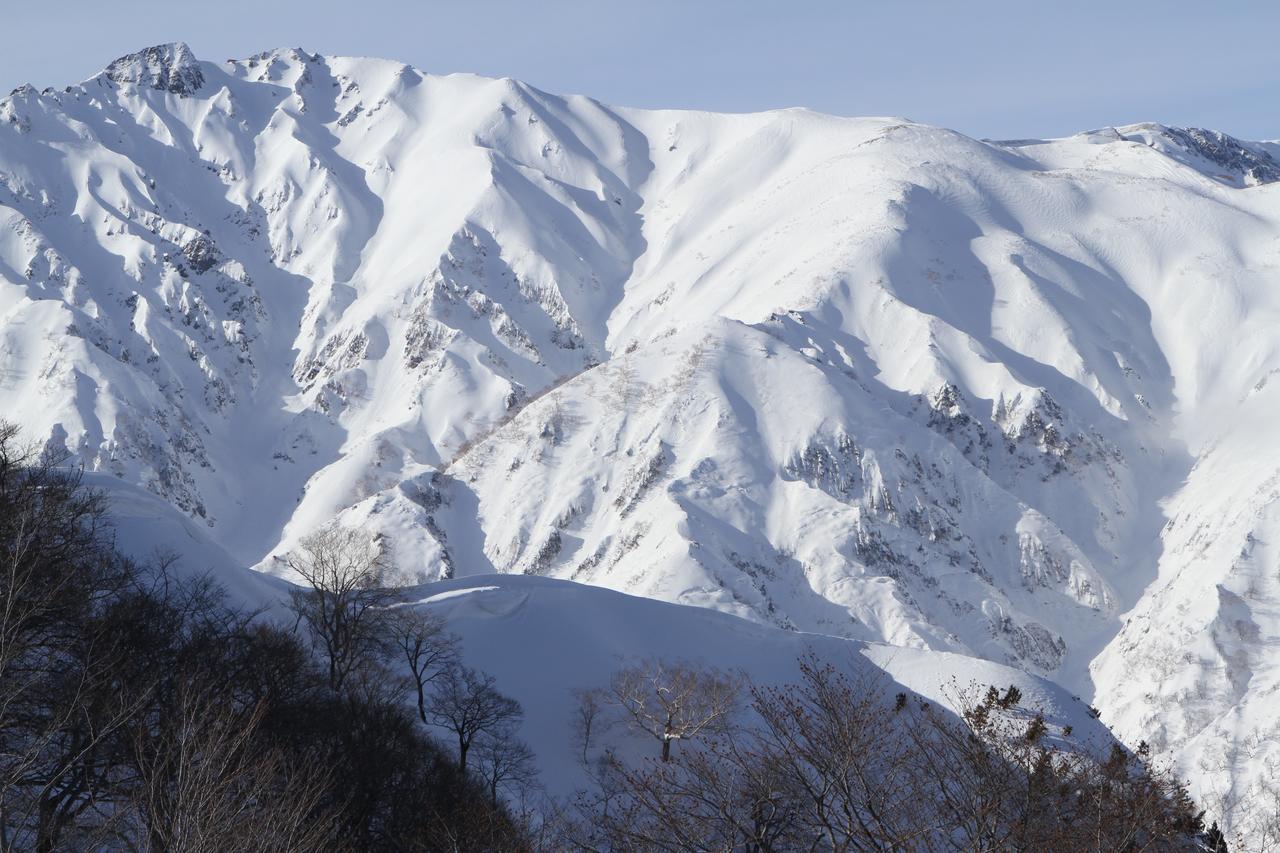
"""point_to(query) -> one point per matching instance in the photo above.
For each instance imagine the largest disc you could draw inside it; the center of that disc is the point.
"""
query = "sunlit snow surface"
(856, 377)
(455, 593)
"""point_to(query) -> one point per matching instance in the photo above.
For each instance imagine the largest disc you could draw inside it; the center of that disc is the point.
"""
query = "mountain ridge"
(861, 377)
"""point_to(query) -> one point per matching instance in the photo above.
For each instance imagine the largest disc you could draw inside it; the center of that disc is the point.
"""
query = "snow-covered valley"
(856, 377)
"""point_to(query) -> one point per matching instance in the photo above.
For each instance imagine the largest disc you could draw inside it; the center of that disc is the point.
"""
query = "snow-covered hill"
(153, 533)
(547, 640)
(860, 377)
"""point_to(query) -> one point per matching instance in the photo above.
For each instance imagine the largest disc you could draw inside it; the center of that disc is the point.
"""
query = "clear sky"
(989, 68)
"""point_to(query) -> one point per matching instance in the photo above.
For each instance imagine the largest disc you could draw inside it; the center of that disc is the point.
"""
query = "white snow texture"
(857, 377)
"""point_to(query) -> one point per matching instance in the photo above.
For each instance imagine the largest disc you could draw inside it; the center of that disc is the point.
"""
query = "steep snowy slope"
(855, 376)
(151, 531)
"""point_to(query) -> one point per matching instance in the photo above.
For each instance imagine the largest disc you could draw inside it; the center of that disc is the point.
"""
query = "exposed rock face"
(1256, 167)
(167, 67)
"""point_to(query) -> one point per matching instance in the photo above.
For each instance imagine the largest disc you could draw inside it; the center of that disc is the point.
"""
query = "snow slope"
(861, 377)
(149, 530)
(543, 640)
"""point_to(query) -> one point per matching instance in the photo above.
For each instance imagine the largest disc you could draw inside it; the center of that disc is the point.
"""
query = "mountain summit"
(167, 67)
(861, 377)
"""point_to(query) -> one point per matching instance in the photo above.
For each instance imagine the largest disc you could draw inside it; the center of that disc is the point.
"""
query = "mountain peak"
(167, 67)
(1220, 155)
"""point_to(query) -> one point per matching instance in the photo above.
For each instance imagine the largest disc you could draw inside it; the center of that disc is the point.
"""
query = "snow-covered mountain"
(860, 377)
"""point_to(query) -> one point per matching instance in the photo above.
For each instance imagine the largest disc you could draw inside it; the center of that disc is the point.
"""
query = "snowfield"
(861, 378)
(544, 640)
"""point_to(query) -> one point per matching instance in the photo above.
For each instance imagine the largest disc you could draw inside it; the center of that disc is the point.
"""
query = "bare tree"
(831, 744)
(204, 785)
(1257, 815)
(345, 597)
(674, 701)
(53, 535)
(58, 661)
(813, 768)
(465, 702)
(586, 718)
(425, 645)
(505, 762)
(832, 763)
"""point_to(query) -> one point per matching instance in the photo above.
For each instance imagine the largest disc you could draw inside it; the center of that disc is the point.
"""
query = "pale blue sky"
(991, 68)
